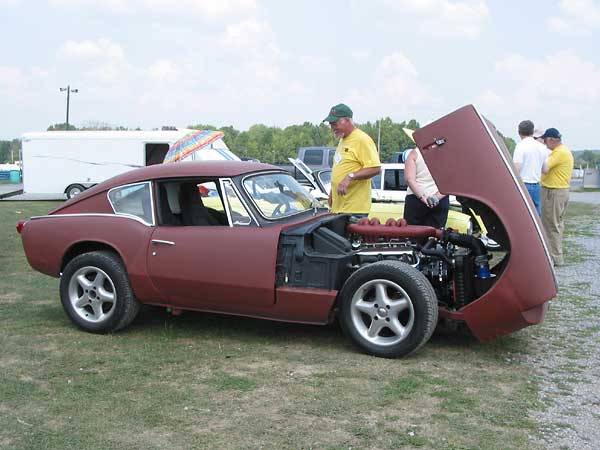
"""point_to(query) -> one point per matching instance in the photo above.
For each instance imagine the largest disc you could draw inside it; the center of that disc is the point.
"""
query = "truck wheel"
(96, 293)
(73, 190)
(388, 309)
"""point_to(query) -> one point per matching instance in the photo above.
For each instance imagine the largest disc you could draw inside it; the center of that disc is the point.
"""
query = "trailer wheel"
(73, 190)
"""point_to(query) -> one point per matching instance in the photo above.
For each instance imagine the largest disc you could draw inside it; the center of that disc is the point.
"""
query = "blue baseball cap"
(551, 133)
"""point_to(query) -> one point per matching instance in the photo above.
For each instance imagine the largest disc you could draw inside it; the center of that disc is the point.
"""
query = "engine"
(456, 265)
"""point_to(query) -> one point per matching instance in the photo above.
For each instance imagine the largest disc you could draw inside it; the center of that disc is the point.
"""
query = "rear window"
(313, 157)
(133, 200)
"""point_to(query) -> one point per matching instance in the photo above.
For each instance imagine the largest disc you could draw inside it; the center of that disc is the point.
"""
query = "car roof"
(188, 169)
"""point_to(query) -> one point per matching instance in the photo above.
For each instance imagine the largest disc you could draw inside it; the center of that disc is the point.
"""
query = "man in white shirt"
(529, 158)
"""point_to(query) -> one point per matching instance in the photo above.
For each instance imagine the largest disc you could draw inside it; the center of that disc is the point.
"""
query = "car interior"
(180, 204)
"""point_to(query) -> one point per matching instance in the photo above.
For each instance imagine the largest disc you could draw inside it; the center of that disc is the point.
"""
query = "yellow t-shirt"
(560, 168)
(354, 152)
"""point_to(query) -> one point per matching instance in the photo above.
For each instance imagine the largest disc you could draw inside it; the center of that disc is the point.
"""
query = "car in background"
(247, 239)
(386, 204)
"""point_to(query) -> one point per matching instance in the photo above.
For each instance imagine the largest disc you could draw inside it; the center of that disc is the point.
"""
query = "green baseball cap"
(337, 112)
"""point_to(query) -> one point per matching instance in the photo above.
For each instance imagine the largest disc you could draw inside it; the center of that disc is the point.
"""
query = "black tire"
(74, 190)
(96, 293)
(388, 309)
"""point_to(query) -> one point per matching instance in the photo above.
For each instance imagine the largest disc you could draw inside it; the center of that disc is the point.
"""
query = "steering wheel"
(281, 209)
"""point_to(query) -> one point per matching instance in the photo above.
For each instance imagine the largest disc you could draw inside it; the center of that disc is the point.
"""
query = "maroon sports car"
(245, 238)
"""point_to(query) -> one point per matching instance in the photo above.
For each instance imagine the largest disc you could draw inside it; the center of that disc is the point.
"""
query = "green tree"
(10, 151)
(61, 127)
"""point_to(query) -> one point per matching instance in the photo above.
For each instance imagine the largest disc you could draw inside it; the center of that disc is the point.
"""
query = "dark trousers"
(417, 213)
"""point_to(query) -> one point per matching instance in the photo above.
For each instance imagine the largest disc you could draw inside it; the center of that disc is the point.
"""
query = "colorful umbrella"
(190, 143)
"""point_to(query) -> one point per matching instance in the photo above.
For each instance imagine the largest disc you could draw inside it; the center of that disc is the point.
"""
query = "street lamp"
(69, 90)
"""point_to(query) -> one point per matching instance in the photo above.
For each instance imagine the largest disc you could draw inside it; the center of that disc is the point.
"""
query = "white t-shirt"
(530, 154)
(423, 176)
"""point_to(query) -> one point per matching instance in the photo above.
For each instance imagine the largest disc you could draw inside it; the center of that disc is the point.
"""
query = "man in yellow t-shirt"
(556, 182)
(355, 162)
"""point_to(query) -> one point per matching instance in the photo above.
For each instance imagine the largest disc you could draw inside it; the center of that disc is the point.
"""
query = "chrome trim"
(222, 181)
(116, 215)
(270, 219)
(149, 183)
(161, 241)
(521, 191)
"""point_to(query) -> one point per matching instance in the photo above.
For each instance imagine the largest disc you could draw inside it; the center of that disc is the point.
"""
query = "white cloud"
(444, 17)
(253, 45)
(10, 77)
(115, 6)
(100, 49)
(579, 16)
(251, 36)
(563, 75)
(398, 78)
(212, 8)
(395, 89)
(209, 8)
(164, 71)
(490, 100)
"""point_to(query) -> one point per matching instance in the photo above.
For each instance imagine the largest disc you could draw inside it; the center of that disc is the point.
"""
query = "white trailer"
(58, 163)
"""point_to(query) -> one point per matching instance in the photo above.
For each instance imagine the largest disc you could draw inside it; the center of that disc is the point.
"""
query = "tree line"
(274, 144)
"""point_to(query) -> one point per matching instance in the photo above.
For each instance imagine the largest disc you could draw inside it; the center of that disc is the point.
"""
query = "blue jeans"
(534, 193)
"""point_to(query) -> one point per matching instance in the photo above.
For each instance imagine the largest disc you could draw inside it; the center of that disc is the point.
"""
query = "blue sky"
(150, 63)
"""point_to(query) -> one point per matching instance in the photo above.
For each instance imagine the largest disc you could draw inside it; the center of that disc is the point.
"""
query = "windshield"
(278, 195)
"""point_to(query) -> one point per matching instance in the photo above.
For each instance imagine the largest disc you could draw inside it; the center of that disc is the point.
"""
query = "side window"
(239, 213)
(133, 200)
(190, 202)
(313, 157)
(394, 180)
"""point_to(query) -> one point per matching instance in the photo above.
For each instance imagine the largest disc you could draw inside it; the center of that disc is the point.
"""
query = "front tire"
(388, 309)
(96, 294)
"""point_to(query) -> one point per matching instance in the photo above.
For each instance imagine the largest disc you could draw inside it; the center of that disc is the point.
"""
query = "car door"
(219, 267)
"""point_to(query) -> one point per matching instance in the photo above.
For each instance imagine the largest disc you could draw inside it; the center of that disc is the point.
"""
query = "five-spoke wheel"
(96, 293)
(388, 309)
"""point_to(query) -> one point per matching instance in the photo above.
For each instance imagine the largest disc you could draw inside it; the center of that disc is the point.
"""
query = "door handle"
(160, 241)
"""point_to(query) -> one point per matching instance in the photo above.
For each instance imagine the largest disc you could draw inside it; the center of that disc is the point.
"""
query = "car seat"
(193, 211)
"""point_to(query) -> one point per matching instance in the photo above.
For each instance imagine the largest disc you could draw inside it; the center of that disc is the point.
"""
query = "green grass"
(214, 382)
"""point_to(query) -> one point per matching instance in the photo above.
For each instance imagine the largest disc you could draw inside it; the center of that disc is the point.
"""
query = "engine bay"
(324, 253)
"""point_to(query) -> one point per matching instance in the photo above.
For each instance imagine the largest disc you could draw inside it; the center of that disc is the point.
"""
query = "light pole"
(69, 90)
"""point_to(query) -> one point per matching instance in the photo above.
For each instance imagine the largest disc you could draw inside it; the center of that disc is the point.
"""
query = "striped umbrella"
(190, 143)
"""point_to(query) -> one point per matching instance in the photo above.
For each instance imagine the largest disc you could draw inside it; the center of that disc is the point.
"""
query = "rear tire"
(388, 309)
(96, 294)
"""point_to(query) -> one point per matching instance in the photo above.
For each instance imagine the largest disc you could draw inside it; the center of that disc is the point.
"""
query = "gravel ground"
(566, 348)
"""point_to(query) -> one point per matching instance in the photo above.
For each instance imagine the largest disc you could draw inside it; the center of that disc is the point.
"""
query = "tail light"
(20, 226)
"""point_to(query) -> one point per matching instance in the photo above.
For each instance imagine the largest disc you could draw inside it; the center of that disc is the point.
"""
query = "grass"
(215, 382)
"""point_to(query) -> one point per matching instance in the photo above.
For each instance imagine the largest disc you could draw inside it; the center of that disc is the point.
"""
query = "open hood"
(468, 158)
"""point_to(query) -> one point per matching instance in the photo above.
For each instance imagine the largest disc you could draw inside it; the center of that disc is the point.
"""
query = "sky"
(151, 63)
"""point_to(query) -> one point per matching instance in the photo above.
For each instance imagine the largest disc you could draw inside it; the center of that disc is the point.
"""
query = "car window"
(278, 195)
(394, 180)
(239, 213)
(190, 202)
(325, 179)
(133, 200)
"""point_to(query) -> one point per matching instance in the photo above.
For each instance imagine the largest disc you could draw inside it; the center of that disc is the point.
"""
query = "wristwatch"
(351, 175)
